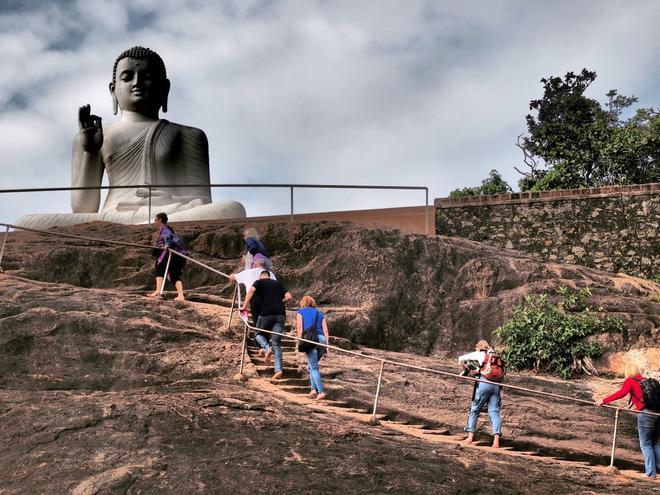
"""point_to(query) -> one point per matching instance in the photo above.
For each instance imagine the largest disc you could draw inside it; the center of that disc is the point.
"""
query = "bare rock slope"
(387, 289)
(103, 391)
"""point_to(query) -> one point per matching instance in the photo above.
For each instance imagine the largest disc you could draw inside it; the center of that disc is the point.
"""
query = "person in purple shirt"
(256, 251)
(167, 238)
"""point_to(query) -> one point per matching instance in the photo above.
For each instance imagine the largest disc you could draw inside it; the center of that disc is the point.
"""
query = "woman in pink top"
(648, 426)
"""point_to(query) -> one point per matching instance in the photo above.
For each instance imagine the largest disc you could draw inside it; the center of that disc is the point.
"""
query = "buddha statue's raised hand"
(91, 131)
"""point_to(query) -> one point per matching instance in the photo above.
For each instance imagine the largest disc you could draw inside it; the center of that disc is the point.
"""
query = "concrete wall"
(610, 228)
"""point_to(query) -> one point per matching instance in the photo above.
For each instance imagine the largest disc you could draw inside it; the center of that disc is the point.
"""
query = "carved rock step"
(289, 372)
(361, 411)
(257, 359)
(297, 389)
(288, 345)
(415, 426)
(298, 382)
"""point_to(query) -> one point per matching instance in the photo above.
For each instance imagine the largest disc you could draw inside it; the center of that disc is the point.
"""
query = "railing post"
(374, 421)
(4, 241)
(231, 311)
(616, 427)
(291, 219)
(240, 376)
(167, 268)
(426, 212)
(149, 211)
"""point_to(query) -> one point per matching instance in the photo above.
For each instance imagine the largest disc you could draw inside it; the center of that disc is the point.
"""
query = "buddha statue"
(138, 149)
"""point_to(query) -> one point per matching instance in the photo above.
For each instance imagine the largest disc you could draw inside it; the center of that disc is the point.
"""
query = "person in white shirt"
(247, 278)
(484, 393)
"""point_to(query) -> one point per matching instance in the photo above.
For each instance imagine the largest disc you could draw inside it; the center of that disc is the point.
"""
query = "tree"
(493, 184)
(574, 142)
(632, 155)
(547, 335)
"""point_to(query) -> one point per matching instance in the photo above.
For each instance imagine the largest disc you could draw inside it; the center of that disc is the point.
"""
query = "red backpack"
(493, 368)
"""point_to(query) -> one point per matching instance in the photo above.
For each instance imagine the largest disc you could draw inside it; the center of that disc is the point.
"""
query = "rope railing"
(381, 361)
(73, 236)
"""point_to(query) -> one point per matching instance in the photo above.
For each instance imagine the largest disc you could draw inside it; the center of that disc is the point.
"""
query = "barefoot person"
(247, 278)
(272, 295)
(308, 316)
(484, 393)
(168, 239)
(648, 425)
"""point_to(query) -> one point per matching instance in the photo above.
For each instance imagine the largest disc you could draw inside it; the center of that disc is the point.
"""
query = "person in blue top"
(307, 315)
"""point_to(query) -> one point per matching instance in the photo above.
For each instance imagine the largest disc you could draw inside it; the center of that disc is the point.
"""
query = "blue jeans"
(313, 356)
(276, 324)
(648, 428)
(485, 393)
(262, 340)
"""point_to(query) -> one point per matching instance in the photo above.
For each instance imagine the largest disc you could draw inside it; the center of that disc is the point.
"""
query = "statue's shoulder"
(191, 136)
(187, 131)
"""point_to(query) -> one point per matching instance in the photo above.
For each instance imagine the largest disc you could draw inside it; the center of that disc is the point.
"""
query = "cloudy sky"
(405, 92)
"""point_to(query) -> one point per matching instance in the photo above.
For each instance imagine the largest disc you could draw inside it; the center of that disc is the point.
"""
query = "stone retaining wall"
(611, 228)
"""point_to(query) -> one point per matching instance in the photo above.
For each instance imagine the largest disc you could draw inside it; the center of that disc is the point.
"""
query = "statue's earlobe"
(115, 105)
(166, 92)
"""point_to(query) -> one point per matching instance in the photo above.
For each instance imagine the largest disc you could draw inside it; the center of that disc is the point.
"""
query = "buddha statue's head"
(139, 82)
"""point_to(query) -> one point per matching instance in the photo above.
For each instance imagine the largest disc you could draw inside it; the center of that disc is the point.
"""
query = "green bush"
(547, 337)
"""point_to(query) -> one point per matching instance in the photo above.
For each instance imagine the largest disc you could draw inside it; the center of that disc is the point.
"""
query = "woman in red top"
(648, 426)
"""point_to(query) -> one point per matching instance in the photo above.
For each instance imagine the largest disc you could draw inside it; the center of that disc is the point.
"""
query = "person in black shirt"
(272, 295)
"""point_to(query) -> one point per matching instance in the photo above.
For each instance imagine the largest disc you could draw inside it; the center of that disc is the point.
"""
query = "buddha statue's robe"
(161, 153)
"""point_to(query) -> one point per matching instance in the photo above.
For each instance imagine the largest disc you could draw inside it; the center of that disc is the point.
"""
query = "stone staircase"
(294, 387)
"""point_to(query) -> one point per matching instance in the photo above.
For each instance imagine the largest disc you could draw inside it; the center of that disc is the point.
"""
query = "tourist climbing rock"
(256, 251)
(308, 316)
(648, 425)
(247, 278)
(272, 295)
(484, 393)
(167, 238)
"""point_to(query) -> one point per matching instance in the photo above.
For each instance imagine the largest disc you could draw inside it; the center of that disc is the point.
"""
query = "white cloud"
(415, 93)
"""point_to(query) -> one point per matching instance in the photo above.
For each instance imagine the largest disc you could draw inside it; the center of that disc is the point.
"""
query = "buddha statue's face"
(138, 88)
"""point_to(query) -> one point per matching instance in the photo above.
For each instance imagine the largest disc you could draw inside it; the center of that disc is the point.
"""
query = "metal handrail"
(354, 353)
(291, 187)
(226, 185)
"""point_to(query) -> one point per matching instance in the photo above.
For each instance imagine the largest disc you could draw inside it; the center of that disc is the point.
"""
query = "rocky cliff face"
(102, 391)
(383, 288)
(105, 391)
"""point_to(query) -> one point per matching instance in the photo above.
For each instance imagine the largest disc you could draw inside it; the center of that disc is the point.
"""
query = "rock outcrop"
(387, 289)
(104, 391)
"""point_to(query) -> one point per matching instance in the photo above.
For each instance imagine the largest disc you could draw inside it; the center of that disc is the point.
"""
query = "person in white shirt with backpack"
(487, 365)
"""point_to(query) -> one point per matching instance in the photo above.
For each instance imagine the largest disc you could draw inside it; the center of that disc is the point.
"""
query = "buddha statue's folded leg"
(177, 212)
(213, 211)
(48, 220)
(140, 215)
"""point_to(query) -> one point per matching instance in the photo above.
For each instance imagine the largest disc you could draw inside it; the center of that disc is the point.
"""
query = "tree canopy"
(573, 141)
(493, 184)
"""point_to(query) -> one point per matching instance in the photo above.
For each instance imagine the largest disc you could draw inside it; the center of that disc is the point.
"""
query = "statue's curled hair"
(141, 52)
